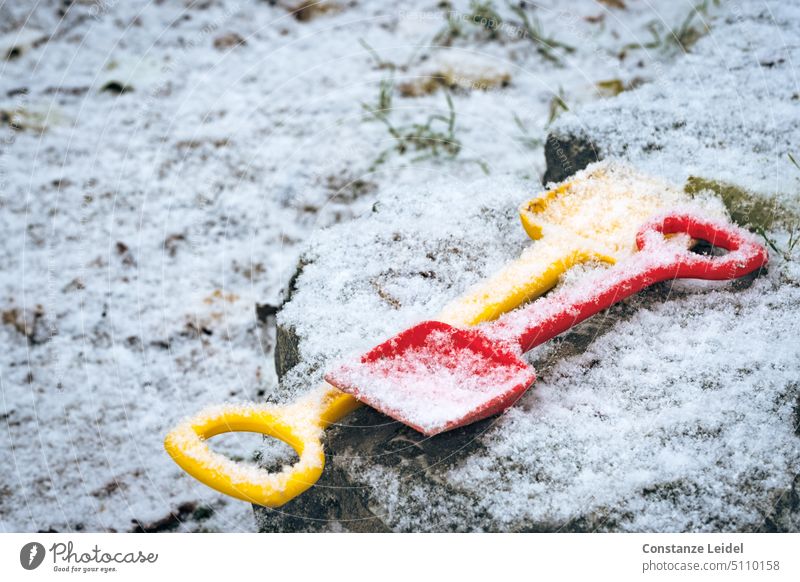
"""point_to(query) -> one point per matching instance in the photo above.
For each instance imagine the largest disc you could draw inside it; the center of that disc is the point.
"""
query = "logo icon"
(31, 555)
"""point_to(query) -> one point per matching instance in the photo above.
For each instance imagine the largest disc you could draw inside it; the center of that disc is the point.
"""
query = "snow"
(143, 226)
(685, 424)
(733, 98)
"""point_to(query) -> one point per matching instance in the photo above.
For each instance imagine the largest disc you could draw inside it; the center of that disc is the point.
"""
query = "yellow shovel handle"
(300, 425)
(535, 272)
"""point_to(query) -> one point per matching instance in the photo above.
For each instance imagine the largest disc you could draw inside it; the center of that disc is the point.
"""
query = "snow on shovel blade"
(435, 377)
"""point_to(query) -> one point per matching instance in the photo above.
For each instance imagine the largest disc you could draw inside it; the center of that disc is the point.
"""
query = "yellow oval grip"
(300, 425)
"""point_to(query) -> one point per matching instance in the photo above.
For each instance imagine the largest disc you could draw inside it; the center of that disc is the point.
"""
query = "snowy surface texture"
(163, 164)
(729, 112)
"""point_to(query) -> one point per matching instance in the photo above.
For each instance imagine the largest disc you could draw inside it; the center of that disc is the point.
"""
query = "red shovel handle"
(656, 261)
(744, 256)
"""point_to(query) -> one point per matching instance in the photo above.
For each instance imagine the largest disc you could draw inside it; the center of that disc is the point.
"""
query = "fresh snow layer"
(141, 227)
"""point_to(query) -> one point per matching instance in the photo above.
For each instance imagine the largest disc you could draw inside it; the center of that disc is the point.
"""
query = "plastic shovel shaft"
(536, 271)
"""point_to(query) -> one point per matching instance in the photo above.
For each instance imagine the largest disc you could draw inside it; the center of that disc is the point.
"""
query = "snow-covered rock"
(675, 410)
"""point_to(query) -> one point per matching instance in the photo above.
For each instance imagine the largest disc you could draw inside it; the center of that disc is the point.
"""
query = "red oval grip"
(744, 254)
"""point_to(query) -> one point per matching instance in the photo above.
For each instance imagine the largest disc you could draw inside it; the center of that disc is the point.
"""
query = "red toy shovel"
(435, 377)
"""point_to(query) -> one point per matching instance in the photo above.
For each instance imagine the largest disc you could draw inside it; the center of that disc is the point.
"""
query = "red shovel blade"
(435, 377)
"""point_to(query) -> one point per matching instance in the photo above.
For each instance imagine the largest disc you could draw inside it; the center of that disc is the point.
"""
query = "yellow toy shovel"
(593, 217)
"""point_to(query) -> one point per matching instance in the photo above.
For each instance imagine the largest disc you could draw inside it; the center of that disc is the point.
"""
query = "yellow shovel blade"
(593, 217)
(600, 209)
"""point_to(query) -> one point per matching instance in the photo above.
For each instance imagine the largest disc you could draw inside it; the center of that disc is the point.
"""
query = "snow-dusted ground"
(162, 165)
